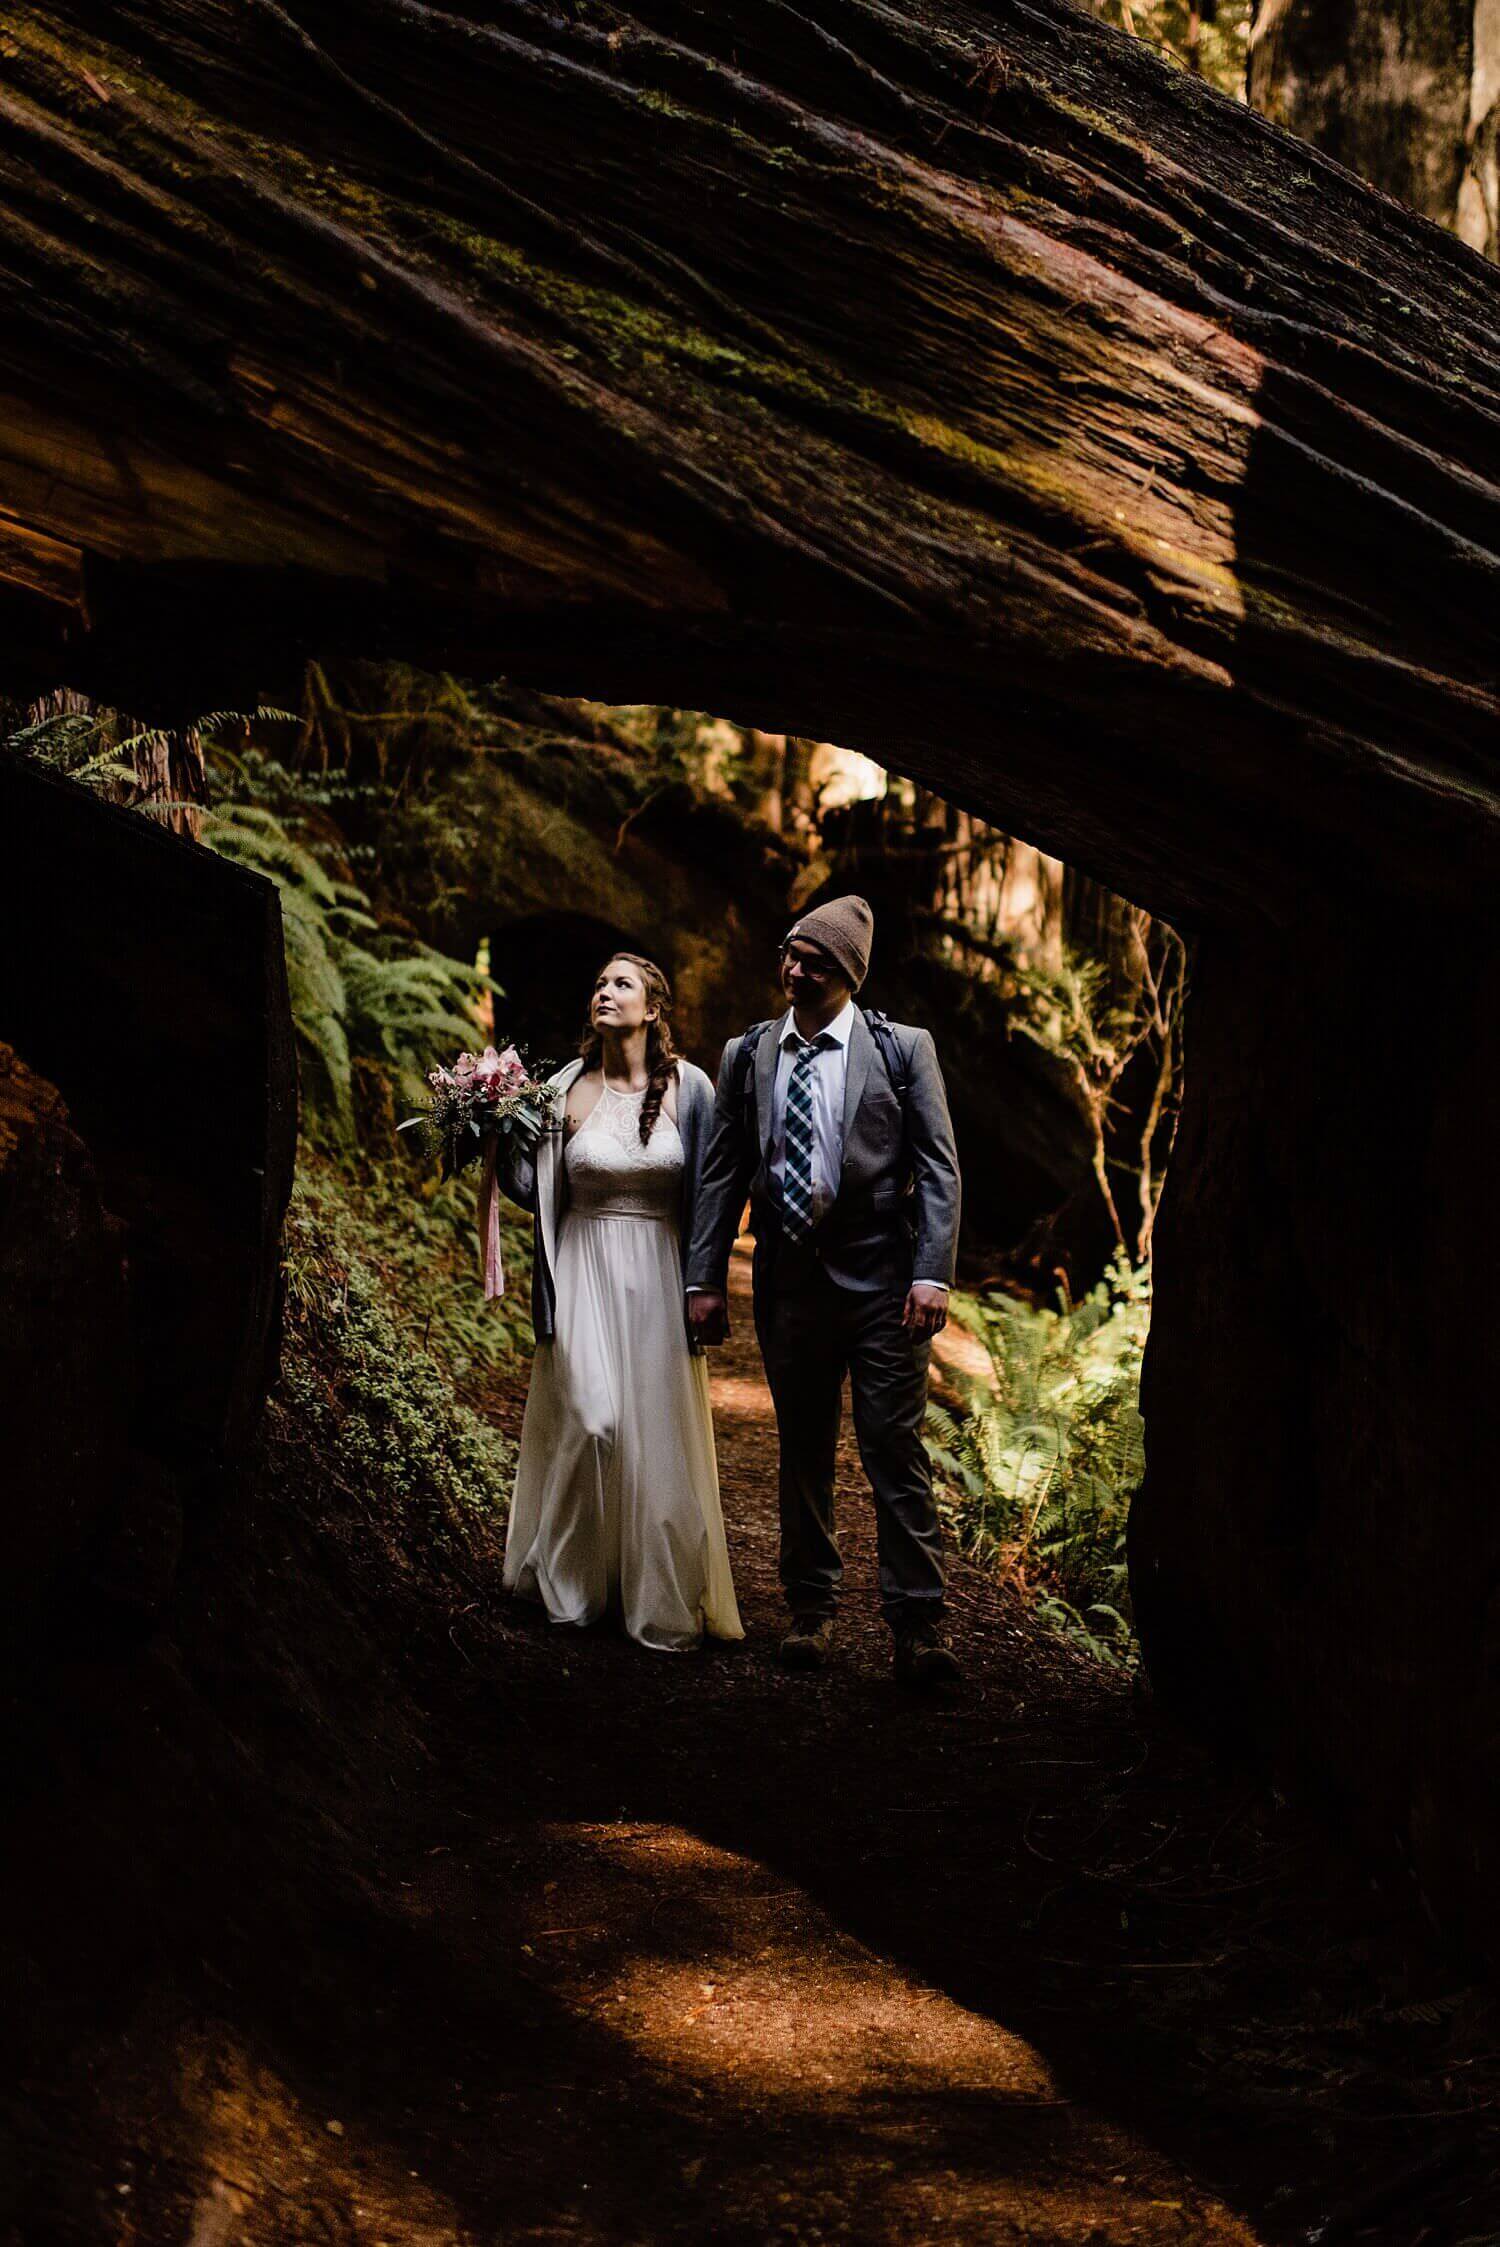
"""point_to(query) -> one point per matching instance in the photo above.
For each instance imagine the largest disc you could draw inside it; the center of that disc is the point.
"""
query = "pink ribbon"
(489, 1224)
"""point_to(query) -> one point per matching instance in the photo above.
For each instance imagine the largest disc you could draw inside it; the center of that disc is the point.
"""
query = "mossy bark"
(966, 384)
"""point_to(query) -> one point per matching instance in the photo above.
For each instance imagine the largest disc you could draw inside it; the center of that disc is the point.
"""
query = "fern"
(253, 837)
(406, 1007)
(354, 991)
(1038, 1467)
(90, 747)
(63, 740)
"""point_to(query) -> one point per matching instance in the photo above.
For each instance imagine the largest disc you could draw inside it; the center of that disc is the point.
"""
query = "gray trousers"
(812, 1333)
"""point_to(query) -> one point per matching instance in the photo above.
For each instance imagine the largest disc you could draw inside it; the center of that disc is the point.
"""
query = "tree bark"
(147, 984)
(965, 384)
(1406, 92)
(63, 1319)
(1315, 1558)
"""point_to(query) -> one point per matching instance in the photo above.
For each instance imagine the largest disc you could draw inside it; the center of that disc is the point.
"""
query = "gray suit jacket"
(897, 1206)
(540, 1183)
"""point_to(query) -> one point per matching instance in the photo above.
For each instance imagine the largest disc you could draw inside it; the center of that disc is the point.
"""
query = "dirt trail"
(680, 1937)
(678, 1950)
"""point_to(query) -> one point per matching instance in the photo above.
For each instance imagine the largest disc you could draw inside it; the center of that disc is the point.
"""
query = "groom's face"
(809, 976)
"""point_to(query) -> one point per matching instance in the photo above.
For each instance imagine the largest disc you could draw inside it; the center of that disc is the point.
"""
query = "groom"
(837, 1123)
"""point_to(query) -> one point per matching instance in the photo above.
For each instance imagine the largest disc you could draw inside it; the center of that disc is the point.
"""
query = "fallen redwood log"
(967, 385)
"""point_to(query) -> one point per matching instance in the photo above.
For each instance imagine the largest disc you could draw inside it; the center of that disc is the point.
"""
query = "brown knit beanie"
(845, 929)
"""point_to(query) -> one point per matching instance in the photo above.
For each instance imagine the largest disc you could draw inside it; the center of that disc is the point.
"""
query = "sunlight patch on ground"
(739, 1392)
(717, 1971)
(766, 1987)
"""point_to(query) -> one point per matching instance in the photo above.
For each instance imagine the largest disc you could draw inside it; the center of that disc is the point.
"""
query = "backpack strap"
(889, 1047)
(744, 1062)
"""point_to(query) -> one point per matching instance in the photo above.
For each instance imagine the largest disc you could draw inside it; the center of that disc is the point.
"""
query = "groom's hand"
(708, 1316)
(925, 1311)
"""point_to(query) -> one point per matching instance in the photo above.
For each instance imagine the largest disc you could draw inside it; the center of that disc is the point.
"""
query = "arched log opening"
(964, 385)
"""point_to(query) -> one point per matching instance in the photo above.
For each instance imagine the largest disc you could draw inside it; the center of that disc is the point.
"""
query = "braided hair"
(661, 1054)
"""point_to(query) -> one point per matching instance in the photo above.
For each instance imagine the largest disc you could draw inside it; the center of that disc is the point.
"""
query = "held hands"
(925, 1311)
(708, 1316)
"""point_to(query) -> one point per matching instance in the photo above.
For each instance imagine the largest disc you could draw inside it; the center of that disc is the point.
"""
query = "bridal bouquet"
(479, 1097)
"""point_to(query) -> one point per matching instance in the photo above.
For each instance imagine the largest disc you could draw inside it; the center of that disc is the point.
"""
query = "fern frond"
(1046, 1456)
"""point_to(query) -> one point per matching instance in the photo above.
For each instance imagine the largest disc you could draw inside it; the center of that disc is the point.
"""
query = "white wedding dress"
(616, 1501)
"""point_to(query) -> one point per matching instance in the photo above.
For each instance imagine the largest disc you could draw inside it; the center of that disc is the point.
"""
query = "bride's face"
(619, 1002)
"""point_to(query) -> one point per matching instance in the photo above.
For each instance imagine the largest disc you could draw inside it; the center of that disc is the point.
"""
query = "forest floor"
(579, 1943)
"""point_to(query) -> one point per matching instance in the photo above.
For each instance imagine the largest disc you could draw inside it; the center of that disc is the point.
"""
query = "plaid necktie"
(797, 1185)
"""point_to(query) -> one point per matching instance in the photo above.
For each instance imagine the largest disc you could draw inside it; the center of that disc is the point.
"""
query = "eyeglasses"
(816, 966)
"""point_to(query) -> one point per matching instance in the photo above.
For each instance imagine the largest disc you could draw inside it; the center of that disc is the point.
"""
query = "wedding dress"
(616, 1501)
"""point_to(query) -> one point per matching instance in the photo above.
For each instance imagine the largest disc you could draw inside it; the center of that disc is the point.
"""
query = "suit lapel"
(856, 1075)
(767, 1054)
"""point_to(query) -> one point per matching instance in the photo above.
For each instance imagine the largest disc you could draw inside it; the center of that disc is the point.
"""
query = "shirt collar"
(840, 1029)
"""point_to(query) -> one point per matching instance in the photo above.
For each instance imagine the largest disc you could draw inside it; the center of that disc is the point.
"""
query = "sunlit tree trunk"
(1406, 92)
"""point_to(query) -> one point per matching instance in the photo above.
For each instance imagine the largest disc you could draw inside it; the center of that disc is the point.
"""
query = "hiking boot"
(922, 1659)
(806, 1644)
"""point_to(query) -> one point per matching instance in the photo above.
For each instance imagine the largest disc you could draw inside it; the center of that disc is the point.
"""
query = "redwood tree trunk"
(963, 384)
(1315, 1557)
(1406, 92)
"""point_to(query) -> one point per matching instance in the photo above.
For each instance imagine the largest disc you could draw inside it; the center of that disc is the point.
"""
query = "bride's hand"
(708, 1316)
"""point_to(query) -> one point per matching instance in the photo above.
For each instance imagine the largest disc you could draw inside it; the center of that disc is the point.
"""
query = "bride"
(616, 1503)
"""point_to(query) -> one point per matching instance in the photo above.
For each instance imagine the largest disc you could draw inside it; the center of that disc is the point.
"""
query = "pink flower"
(497, 1073)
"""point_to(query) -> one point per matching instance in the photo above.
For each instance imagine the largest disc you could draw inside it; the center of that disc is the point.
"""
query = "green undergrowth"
(420, 1236)
(359, 991)
(1037, 1465)
(387, 1351)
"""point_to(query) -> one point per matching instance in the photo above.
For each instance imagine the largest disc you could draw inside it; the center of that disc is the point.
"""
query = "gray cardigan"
(539, 1183)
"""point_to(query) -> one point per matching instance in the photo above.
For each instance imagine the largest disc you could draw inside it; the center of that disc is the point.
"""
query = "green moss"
(419, 1237)
(369, 1386)
(651, 98)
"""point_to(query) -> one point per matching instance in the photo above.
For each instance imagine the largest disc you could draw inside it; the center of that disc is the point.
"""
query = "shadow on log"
(153, 999)
(64, 1396)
